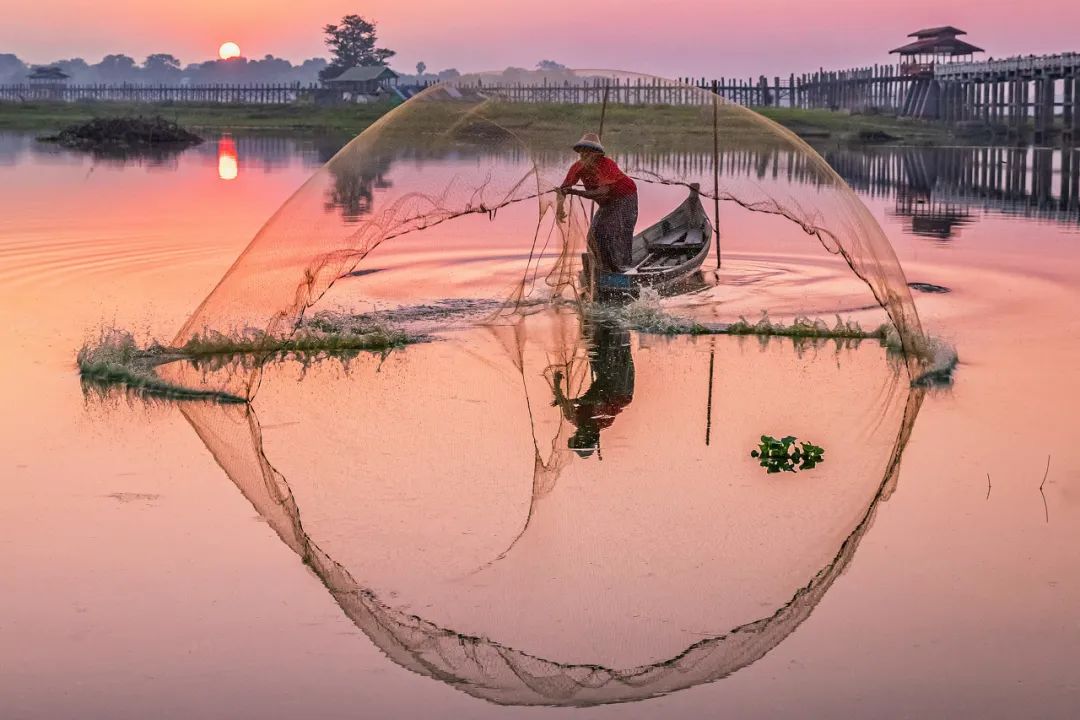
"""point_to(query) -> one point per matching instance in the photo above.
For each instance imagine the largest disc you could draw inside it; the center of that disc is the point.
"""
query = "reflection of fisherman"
(612, 388)
(612, 232)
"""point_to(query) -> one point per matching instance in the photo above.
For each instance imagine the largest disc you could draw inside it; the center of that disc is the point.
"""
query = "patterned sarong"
(611, 236)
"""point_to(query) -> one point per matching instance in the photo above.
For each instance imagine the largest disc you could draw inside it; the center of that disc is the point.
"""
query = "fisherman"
(612, 232)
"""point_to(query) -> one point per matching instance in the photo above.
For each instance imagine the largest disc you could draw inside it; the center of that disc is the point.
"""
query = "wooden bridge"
(248, 94)
(1012, 97)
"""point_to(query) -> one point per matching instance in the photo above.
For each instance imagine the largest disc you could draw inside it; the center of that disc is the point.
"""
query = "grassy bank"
(47, 117)
(816, 126)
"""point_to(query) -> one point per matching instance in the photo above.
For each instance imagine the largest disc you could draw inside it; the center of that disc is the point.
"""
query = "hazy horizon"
(772, 37)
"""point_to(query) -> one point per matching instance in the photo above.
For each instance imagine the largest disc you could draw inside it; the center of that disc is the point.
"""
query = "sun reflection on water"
(228, 160)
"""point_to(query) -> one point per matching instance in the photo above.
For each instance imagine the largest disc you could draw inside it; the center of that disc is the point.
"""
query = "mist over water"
(463, 552)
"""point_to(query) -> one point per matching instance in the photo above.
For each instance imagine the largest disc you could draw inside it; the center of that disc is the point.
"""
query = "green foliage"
(352, 43)
(115, 359)
(804, 327)
(784, 455)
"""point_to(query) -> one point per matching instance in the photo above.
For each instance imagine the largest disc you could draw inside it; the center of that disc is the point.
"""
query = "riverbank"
(48, 117)
(819, 127)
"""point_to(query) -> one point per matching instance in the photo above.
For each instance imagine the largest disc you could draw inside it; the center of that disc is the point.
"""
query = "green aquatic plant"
(645, 314)
(319, 337)
(804, 327)
(116, 359)
(784, 455)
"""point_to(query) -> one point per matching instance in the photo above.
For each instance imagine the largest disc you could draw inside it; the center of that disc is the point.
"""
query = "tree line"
(167, 69)
(351, 42)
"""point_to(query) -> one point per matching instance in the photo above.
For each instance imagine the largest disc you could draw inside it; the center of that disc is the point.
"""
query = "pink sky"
(699, 37)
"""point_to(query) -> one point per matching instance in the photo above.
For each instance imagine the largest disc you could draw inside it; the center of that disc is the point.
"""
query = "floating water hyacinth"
(784, 455)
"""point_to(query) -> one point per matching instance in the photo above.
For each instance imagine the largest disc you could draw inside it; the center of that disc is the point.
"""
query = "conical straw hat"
(589, 141)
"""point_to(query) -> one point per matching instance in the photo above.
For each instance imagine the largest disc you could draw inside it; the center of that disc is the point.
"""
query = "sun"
(229, 50)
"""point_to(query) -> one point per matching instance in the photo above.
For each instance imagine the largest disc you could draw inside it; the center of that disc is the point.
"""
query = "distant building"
(931, 46)
(47, 76)
(359, 84)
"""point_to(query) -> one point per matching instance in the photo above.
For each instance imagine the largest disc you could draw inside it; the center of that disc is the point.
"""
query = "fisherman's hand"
(560, 205)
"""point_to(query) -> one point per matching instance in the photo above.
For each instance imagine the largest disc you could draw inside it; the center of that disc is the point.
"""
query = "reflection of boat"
(663, 254)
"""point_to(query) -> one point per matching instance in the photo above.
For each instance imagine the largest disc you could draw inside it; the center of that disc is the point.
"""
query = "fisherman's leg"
(604, 231)
(627, 212)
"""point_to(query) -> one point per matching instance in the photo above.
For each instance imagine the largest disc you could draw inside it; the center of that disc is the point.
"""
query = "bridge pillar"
(1037, 110)
(1076, 108)
(1046, 112)
(1067, 106)
(1025, 103)
(995, 99)
(1068, 181)
(1018, 106)
(1003, 109)
(1047, 108)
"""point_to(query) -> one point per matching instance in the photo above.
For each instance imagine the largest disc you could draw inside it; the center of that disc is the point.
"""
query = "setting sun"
(229, 50)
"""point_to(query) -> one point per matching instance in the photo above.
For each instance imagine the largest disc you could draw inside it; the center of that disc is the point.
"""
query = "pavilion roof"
(364, 73)
(947, 45)
(48, 73)
(934, 31)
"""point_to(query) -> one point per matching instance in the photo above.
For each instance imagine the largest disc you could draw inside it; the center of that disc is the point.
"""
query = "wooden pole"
(708, 403)
(603, 111)
(716, 173)
(600, 134)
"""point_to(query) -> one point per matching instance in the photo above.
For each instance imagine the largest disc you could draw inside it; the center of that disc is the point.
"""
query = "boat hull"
(665, 254)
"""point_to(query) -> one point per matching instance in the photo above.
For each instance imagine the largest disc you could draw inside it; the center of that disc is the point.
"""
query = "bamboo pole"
(600, 134)
(603, 110)
(716, 174)
(708, 403)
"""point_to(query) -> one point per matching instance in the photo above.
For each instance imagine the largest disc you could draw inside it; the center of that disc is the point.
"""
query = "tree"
(352, 43)
(116, 68)
(549, 65)
(161, 67)
(309, 70)
(12, 69)
(77, 69)
(449, 74)
(270, 69)
(421, 68)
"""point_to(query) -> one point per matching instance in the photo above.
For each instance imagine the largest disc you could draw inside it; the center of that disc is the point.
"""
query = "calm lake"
(436, 533)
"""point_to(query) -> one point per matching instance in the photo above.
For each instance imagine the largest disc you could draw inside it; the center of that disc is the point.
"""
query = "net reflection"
(404, 483)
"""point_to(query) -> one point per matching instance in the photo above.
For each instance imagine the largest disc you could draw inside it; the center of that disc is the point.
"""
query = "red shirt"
(602, 173)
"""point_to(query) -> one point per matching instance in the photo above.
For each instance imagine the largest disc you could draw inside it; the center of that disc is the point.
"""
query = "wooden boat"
(663, 255)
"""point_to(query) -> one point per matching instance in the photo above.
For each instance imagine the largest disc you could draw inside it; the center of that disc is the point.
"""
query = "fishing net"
(450, 201)
(438, 496)
(556, 502)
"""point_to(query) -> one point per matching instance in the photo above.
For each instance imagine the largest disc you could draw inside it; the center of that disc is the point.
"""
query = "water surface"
(462, 558)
